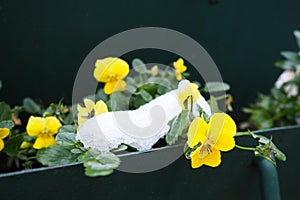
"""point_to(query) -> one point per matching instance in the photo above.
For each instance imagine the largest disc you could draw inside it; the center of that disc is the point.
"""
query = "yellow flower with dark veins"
(111, 71)
(90, 110)
(179, 68)
(4, 132)
(44, 129)
(187, 93)
(215, 136)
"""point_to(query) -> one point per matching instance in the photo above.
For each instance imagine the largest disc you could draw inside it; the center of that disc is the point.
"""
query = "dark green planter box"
(236, 178)
(47, 38)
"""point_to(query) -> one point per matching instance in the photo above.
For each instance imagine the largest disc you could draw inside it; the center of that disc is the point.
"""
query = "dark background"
(43, 43)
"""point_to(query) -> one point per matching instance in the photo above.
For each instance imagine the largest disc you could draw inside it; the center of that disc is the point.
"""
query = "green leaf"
(12, 146)
(285, 64)
(118, 101)
(162, 89)
(292, 56)
(5, 113)
(98, 163)
(268, 149)
(177, 126)
(93, 173)
(7, 124)
(216, 87)
(30, 106)
(56, 155)
(151, 88)
(67, 129)
(69, 119)
(130, 88)
(262, 119)
(121, 147)
(28, 138)
(213, 105)
(203, 114)
(51, 110)
(76, 151)
(297, 36)
(66, 139)
(130, 81)
(100, 95)
(145, 95)
(139, 66)
(136, 101)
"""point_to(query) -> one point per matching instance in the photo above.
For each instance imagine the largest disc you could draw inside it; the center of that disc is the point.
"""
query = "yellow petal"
(120, 69)
(114, 86)
(4, 132)
(1, 144)
(43, 141)
(52, 125)
(197, 131)
(81, 120)
(213, 159)
(154, 70)
(82, 114)
(179, 65)
(221, 131)
(81, 110)
(110, 67)
(35, 126)
(89, 105)
(194, 90)
(190, 90)
(100, 108)
(178, 75)
(102, 70)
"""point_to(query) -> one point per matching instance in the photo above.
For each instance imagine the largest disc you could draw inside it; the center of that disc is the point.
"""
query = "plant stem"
(221, 97)
(32, 158)
(141, 78)
(165, 72)
(245, 148)
(242, 133)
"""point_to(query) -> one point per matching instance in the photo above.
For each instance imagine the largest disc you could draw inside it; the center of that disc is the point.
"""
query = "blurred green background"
(43, 43)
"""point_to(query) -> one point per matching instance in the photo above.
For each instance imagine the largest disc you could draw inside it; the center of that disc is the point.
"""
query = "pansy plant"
(51, 137)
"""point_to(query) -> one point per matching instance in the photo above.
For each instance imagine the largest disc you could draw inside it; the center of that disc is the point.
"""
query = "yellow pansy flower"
(4, 132)
(215, 136)
(90, 110)
(111, 71)
(44, 129)
(188, 92)
(179, 68)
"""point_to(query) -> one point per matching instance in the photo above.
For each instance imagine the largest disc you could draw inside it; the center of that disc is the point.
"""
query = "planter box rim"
(126, 154)
(120, 154)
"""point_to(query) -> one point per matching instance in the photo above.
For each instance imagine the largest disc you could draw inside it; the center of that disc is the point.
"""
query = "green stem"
(165, 72)
(221, 97)
(141, 78)
(278, 116)
(245, 148)
(242, 133)
(32, 158)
